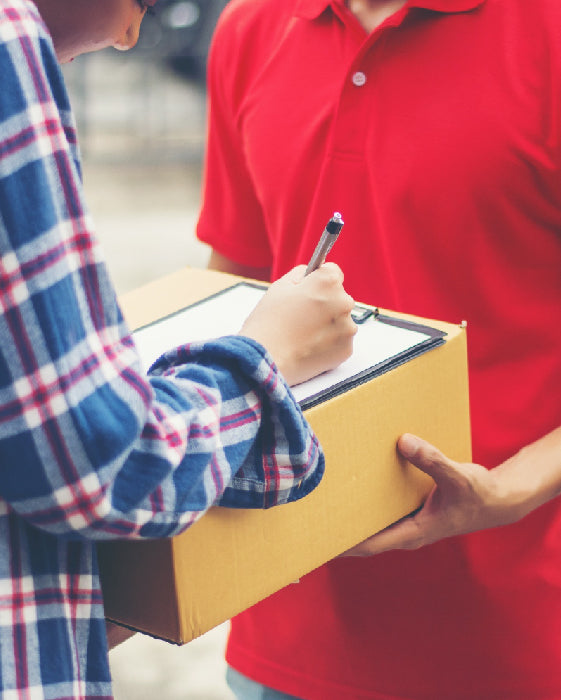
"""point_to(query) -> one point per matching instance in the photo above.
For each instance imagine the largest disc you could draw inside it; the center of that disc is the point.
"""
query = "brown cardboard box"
(178, 589)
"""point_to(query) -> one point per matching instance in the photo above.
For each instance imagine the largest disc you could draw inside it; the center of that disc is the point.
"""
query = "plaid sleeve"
(277, 456)
(89, 445)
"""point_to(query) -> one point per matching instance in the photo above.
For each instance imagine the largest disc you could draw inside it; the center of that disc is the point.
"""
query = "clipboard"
(382, 342)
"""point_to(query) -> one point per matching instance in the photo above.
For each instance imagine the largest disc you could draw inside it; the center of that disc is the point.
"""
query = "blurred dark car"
(179, 33)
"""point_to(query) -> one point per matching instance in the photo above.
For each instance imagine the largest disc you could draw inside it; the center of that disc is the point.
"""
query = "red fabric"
(445, 165)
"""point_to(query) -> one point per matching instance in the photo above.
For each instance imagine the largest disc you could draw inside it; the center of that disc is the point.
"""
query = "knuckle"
(432, 456)
(349, 303)
(332, 273)
(333, 268)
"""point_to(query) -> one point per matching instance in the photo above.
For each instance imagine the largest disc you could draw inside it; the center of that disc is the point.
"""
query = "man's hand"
(465, 498)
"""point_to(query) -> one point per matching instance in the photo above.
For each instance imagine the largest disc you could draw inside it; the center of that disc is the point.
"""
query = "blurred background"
(141, 125)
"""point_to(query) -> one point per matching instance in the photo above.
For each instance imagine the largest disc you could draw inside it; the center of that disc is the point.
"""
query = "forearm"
(151, 468)
(532, 476)
(221, 263)
(91, 447)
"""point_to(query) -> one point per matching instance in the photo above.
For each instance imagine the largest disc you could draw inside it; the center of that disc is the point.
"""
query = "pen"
(328, 237)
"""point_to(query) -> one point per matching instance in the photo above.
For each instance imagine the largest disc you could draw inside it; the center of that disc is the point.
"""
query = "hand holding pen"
(305, 322)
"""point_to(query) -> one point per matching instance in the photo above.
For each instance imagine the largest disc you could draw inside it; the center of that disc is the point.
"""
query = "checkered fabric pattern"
(90, 446)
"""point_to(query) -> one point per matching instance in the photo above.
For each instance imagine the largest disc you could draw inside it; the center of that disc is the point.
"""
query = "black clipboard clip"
(360, 314)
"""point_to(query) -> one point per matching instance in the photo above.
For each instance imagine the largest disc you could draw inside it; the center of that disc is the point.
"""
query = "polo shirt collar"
(310, 9)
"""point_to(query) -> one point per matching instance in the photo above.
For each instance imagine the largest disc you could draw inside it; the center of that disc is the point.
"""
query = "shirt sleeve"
(231, 219)
(89, 445)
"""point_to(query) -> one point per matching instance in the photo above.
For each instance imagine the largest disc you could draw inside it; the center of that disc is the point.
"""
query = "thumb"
(425, 456)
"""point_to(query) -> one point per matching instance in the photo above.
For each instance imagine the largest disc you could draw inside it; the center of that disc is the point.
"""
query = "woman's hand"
(305, 322)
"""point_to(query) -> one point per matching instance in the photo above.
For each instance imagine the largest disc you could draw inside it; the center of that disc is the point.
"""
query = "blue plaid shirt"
(90, 447)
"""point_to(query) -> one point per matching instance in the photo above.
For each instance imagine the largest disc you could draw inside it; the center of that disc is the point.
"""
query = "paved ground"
(148, 669)
(143, 134)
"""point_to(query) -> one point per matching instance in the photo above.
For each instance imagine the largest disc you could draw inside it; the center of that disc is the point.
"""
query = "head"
(81, 26)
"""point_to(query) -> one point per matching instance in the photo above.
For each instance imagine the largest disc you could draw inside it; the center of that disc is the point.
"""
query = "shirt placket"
(356, 107)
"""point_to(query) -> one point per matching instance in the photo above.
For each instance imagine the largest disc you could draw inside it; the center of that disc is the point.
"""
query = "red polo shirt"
(438, 137)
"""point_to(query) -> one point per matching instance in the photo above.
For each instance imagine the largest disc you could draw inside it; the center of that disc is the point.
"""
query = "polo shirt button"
(359, 78)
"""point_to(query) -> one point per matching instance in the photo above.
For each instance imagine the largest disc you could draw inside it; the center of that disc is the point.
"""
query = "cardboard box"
(177, 589)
